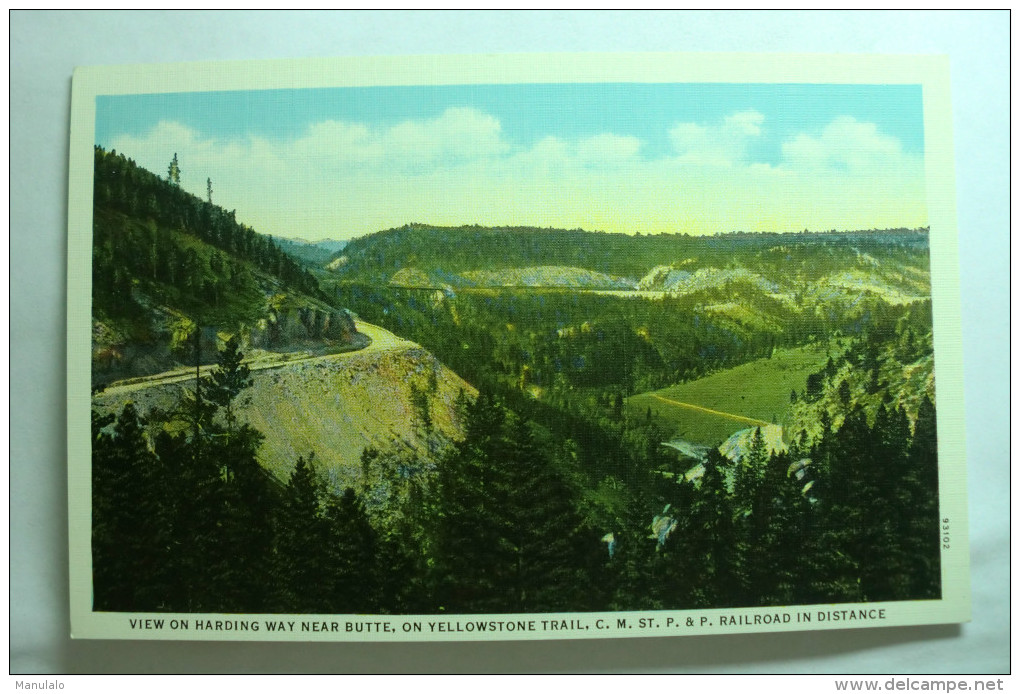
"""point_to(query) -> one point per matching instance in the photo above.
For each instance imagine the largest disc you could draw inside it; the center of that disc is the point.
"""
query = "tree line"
(442, 252)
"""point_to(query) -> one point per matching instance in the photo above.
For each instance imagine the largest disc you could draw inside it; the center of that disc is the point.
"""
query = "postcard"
(514, 347)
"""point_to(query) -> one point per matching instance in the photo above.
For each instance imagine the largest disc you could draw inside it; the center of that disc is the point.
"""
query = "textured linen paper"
(514, 347)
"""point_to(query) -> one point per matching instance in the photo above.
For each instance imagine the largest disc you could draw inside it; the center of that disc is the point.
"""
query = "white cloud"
(744, 122)
(845, 144)
(608, 150)
(717, 145)
(342, 179)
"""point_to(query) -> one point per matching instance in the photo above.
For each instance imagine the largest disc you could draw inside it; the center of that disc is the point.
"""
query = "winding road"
(380, 340)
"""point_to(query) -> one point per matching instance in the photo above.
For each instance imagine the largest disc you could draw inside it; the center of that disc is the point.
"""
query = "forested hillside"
(169, 269)
(445, 254)
(510, 519)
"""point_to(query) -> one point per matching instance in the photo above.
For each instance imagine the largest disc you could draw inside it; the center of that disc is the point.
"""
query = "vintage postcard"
(514, 347)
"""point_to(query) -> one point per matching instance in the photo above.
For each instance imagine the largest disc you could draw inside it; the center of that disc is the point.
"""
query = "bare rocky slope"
(334, 406)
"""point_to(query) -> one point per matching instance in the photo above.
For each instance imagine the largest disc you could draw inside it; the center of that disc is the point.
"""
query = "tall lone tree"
(226, 382)
(208, 190)
(173, 172)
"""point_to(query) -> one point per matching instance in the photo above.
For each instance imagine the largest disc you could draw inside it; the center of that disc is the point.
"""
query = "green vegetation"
(560, 494)
(756, 393)
(166, 264)
(149, 231)
(442, 253)
(501, 525)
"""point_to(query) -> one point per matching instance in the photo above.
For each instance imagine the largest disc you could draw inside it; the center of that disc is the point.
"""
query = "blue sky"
(353, 160)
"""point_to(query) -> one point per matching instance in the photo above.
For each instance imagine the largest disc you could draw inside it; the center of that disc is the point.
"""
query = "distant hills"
(309, 252)
(892, 263)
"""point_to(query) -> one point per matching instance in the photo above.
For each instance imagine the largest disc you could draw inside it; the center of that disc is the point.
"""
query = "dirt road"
(735, 417)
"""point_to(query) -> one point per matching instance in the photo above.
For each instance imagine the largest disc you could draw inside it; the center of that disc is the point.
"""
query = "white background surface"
(45, 48)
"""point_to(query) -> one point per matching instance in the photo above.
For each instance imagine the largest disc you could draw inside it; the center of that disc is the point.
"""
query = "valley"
(504, 419)
(706, 410)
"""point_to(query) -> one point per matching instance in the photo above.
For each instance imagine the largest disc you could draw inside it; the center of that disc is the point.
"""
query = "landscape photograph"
(511, 349)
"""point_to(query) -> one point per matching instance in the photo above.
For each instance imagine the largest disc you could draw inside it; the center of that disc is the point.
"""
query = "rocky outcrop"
(293, 328)
(168, 341)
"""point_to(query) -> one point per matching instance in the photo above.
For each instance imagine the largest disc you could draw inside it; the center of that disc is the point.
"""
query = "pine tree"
(173, 172)
(301, 536)
(195, 510)
(351, 577)
(833, 573)
(221, 499)
(506, 536)
(631, 569)
(246, 533)
(222, 387)
(713, 544)
(546, 538)
(750, 508)
(129, 540)
(784, 567)
(887, 575)
(466, 538)
(923, 521)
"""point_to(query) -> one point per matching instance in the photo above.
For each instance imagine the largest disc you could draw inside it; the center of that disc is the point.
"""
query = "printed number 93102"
(945, 533)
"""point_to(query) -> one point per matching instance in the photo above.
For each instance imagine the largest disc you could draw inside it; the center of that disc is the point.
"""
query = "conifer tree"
(350, 551)
(923, 519)
(466, 536)
(129, 542)
(301, 536)
(713, 542)
(886, 576)
(631, 572)
(506, 536)
(222, 387)
(222, 500)
(785, 561)
(849, 492)
(173, 172)
(195, 507)
(751, 518)
(546, 538)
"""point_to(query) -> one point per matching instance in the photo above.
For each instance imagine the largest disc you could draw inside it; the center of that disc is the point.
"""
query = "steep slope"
(895, 371)
(173, 274)
(547, 276)
(333, 405)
